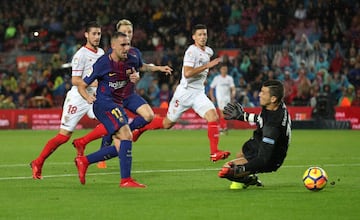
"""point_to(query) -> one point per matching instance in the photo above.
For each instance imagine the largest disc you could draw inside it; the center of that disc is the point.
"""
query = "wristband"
(251, 117)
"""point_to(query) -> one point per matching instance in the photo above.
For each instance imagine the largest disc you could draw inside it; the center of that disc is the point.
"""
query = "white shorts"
(221, 102)
(75, 107)
(186, 98)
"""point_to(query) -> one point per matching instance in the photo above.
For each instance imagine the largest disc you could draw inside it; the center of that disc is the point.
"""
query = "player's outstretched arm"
(214, 62)
(153, 68)
(235, 111)
(191, 71)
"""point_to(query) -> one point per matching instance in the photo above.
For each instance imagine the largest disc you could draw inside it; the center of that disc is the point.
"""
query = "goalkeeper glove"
(235, 111)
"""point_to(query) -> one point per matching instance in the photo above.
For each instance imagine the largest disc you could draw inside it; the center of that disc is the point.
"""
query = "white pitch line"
(110, 173)
(156, 171)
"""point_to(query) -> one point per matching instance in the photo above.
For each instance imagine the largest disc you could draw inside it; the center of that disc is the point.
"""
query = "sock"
(222, 120)
(125, 158)
(51, 146)
(156, 123)
(106, 141)
(213, 135)
(223, 124)
(98, 132)
(138, 122)
(104, 153)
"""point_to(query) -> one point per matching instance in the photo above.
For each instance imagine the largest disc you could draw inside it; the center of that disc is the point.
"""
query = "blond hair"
(123, 22)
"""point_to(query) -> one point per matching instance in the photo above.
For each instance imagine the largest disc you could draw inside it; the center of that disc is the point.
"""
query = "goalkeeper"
(267, 148)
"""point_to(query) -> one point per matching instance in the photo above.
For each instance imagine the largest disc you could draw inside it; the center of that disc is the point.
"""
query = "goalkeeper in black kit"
(267, 148)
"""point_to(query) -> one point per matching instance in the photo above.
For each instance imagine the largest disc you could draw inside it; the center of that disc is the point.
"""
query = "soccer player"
(133, 102)
(116, 74)
(75, 107)
(225, 92)
(190, 93)
(267, 148)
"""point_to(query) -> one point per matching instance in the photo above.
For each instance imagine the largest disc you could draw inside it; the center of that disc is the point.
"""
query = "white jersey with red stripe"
(75, 106)
(195, 57)
(83, 61)
(190, 93)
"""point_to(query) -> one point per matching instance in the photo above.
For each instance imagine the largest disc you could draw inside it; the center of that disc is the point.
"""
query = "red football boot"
(136, 134)
(36, 170)
(82, 164)
(130, 183)
(220, 155)
(79, 146)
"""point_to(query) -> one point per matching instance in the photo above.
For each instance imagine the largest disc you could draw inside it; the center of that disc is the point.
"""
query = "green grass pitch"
(182, 182)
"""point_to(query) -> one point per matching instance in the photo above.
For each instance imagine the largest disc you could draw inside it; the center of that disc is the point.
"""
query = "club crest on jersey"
(132, 53)
(201, 62)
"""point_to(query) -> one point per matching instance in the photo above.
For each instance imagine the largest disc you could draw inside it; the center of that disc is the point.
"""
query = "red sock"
(51, 146)
(156, 123)
(223, 124)
(213, 135)
(98, 132)
(222, 121)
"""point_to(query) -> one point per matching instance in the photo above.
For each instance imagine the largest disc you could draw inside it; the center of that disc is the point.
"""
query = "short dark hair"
(223, 64)
(91, 24)
(117, 34)
(198, 27)
(276, 89)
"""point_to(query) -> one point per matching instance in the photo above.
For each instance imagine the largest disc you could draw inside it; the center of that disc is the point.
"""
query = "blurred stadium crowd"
(312, 46)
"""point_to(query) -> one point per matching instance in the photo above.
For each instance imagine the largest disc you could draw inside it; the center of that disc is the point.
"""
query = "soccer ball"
(315, 178)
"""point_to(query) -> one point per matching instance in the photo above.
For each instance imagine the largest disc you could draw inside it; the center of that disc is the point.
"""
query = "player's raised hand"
(234, 111)
(214, 62)
(166, 69)
(134, 76)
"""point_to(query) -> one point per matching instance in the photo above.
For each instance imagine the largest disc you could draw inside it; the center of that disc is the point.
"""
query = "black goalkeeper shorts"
(250, 150)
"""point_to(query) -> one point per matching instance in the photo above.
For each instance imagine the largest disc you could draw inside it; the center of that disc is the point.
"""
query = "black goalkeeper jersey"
(272, 137)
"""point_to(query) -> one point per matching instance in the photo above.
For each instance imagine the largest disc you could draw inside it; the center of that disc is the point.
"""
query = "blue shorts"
(110, 114)
(133, 102)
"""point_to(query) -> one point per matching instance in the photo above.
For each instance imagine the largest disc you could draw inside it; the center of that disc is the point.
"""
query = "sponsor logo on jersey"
(117, 84)
(112, 74)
